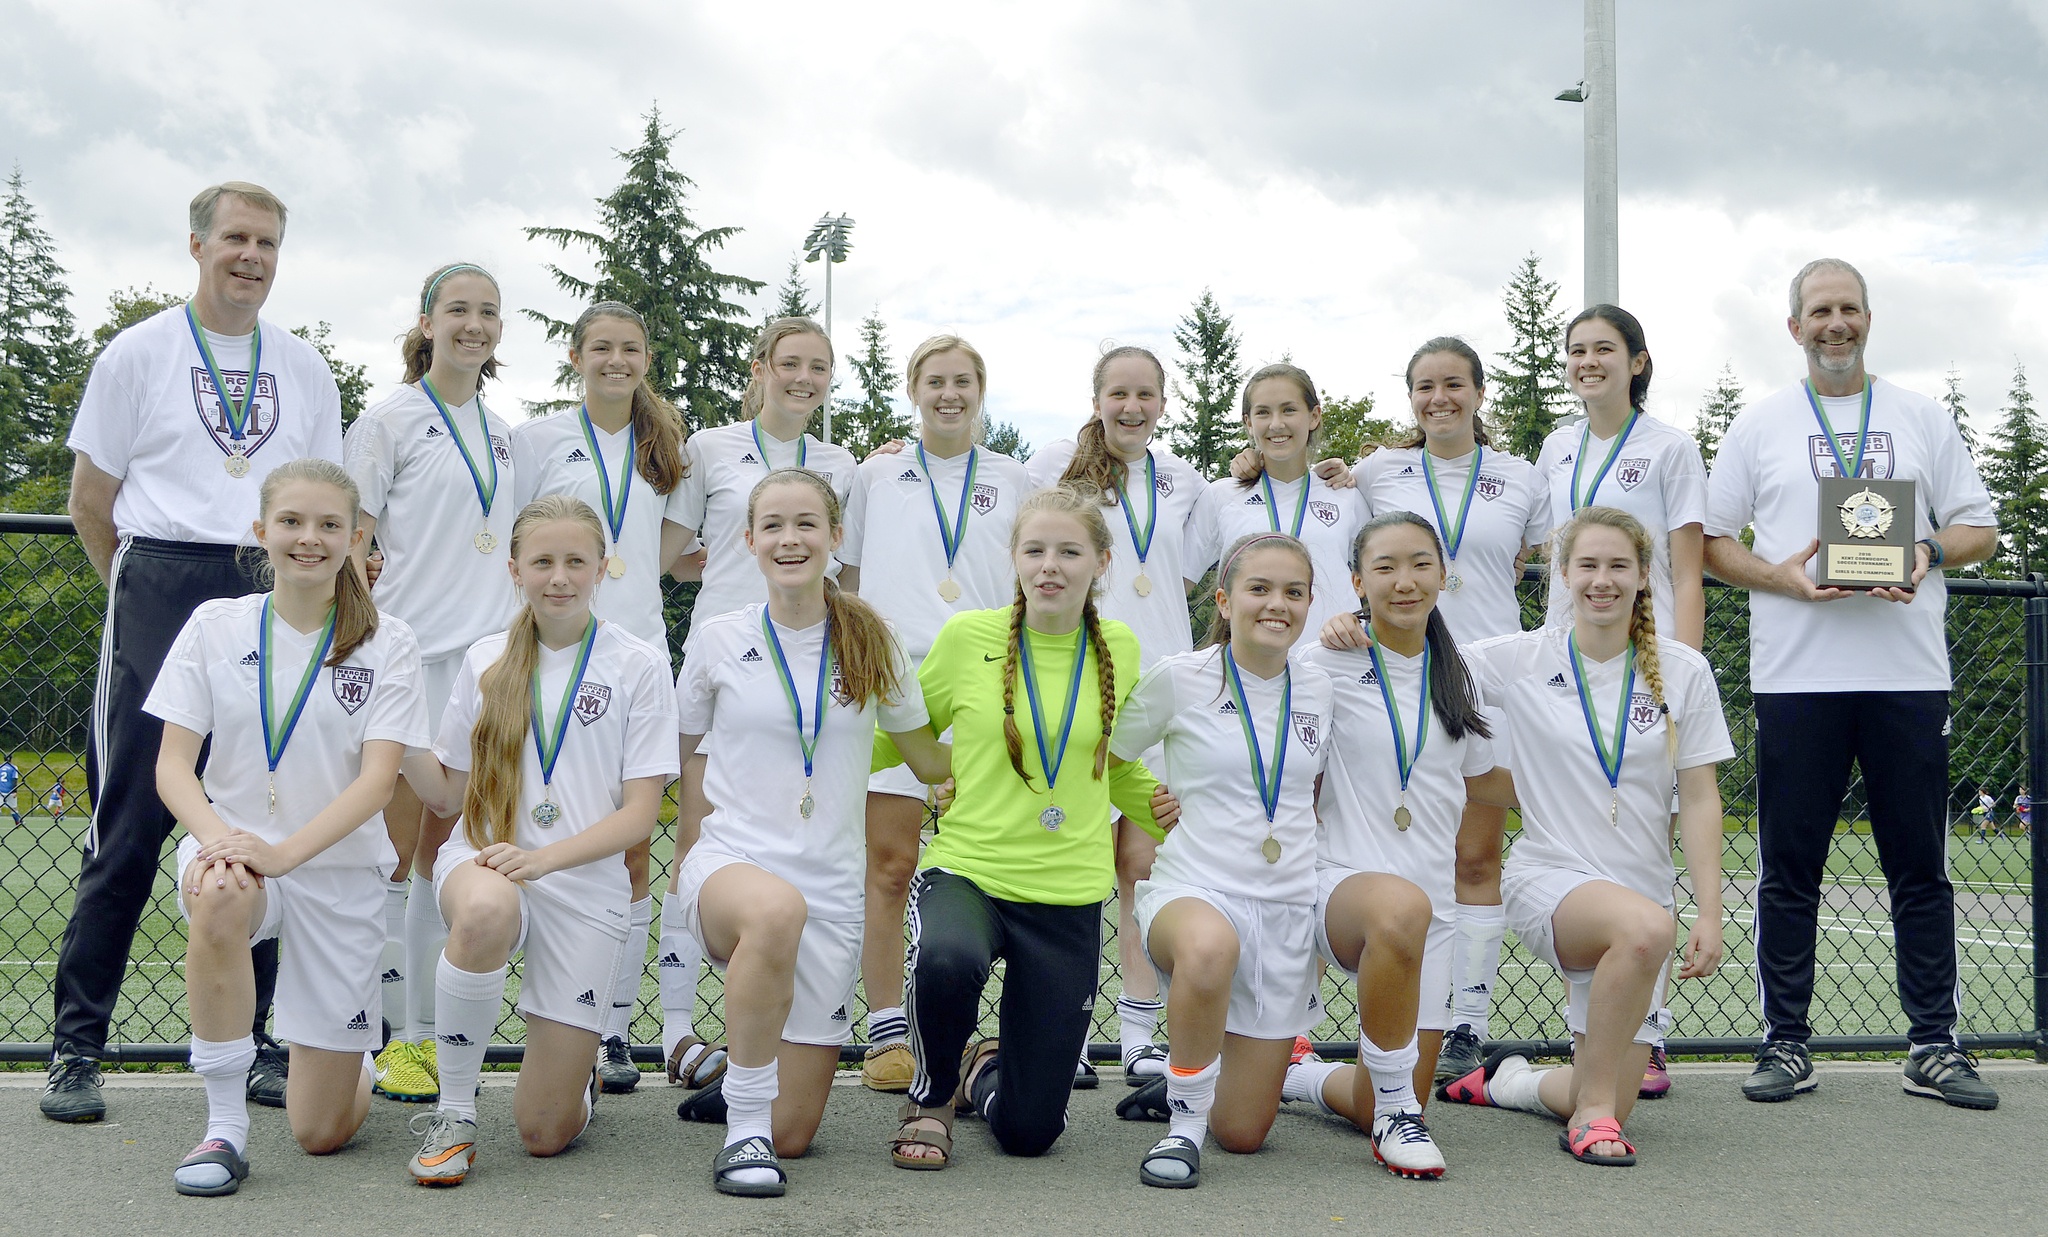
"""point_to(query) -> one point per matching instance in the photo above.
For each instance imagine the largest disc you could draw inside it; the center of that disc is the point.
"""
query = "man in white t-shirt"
(1840, 678)
(184, 415)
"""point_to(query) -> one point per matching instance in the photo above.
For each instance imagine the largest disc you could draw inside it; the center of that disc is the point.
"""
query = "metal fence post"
(2037, 780)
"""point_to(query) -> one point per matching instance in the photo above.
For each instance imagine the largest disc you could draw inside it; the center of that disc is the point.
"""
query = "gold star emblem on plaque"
(1866, 514)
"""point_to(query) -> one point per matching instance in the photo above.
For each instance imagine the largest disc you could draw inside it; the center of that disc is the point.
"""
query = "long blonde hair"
(355, 615)
(1642, 622)
(1095, 467)
(658, 433)
(1086, 508)
(497, 743)
(950, 343)
(764, 355)
(861, 644)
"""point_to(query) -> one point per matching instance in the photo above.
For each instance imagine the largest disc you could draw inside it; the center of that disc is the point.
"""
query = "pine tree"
(861, 425)
(1004, 436)
(652, 256)
(1528, 387)
(40, 354)
(1952, 399)
(1207, 431)
(1350, 429)
(793, 298)
(1723, 402)
(2018, 459)
(352, 379)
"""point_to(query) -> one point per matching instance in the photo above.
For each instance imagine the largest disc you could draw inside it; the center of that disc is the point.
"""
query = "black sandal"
(755, 1152)
(1181, 1150)
(706, 1105)
(1147, 1103)
(213, 1151)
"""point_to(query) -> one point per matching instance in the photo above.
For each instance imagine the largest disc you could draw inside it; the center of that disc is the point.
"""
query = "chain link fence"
(49, 654)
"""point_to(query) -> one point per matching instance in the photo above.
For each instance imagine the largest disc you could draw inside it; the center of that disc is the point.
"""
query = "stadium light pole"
(828, 240)
(1596, 95)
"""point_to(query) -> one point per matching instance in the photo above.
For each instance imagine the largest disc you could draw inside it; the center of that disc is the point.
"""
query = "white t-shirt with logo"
(1228, 509)
(416, 485)
(550, 456)
(623, 726)
(209, 686)
(725, 466)
(1159, 620)
(1657, 477)
(1183, 701)
(754, 774)
(151, 418)
(1510, 510)
(1563, 790)
(1766, 474)
(1362, 777)
(892, 535)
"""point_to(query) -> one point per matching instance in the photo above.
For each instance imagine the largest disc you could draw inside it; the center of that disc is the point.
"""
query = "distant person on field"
(1843, 680)
(1980, 814)
(2023, 807)
(55, 803)
(10, 782)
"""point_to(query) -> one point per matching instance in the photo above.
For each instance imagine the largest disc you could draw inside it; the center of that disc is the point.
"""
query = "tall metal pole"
(828, 341)
(2037, 780)
(1603, 244)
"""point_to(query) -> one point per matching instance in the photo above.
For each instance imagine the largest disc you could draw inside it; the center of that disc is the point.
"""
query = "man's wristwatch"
(1934, 554)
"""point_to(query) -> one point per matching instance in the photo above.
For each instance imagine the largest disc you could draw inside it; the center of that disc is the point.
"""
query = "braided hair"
(1642, 623)
(1084, 508)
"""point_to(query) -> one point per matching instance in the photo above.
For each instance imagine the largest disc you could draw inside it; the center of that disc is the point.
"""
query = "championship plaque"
(1866, 533)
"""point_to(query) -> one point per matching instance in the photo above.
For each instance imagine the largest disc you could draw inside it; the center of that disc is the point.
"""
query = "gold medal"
(273, 794)
(485, 541)
(615, 566)
(1270, 848)
(236, 463)
(806, 805)
(1403, 817)
(1614, 809)
(949, 590)
(1143, 585)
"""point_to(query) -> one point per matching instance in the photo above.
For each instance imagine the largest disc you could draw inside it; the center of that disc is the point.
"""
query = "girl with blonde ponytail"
(311, 699)
(557, 744)
(1604, 713)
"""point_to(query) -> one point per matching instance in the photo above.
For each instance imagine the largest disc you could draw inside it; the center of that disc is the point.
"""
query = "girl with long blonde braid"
(1604, 713)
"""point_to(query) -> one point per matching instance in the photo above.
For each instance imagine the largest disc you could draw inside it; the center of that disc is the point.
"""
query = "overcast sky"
(1349, 177)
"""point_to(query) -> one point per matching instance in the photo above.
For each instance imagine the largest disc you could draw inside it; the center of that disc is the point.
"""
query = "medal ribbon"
(1405, 757)
(954, 535)
(1273, 505)
(808, 744)
(1453, 537)
(1143, 545)
(1585, 440)
(1050, 760)
(547, 742)
(1269, 782)
(486, 494)
(1828, 431)
(237, 415)
(615, 519)
(277, 732)
(1610, 762)
(754, 427)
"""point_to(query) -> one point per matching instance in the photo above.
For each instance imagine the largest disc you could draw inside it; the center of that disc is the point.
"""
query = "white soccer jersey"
(624, 727)
(1767, 474)
(1564, 792)
(1362, 778)
(150, 417)
(1509, 510)
(1160, 619)
(1656, 477)
(1329, 520)
(1183, 701)
(892, 535)
(725, 466)
(208, 685)
(551, 456)
(418, 488)
(754, 776)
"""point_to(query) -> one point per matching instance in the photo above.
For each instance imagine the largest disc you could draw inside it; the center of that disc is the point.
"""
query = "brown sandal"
(708, 1068)
(909, 1134)
(972, 1062)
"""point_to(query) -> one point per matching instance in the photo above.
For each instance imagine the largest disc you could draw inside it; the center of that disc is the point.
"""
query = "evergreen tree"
(1207, 431)
(1528, 388)
(1350, 429)
(39, 350)
(793, 298)
(1723, 402)
(2018, 459)
(1952, 399)
(1004, 436)
(352, 379)
(861, 425)
(652, 256)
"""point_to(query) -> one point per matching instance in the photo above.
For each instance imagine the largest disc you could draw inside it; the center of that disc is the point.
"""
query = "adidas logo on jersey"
(454, 1039)
(576, 456)
(1407, 470)
(393, 976)
(748, 458)
(1557, 680)
(434, 431)
(361, 1022)
(252, 658)
(588, 998)
(1371, 678)
(1256, 500)
(910, 474)
(839, 1015)
(751, 655)
(670, 959)
(1230, 707)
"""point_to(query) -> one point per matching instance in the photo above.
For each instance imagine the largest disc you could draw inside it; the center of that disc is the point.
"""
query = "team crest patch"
(352, 687)
(1877, 453)
(1308, 728)
(1630, 473)
(1491, 488)
(984, 499)
(263, 410)
(501, 449)
(1163, 483)
(593, 700)
(1642, 712)
(1325, 513)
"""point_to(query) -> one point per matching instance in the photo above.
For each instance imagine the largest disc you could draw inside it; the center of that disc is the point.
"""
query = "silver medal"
(1052, 818)
(545, 813)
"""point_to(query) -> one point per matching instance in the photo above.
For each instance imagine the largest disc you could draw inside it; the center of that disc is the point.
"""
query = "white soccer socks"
(1137, 1022)
(750, 1092)
(1190, 1094)
(223, 1065)
(889, 1025)
(1475, 964)
(1393, 1075)
(618, 1024)
(391, 962)
(425, 937)
(469, 1003)
(678, 962)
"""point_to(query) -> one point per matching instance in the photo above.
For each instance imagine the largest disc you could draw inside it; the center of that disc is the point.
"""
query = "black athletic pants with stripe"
(1051, 957)
(1805, 742)
(156, 586)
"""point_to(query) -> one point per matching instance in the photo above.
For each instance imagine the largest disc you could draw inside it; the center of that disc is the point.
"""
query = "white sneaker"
(1401, 1141)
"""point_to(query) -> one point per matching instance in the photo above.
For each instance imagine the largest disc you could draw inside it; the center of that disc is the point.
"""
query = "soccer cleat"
(1949, 1074)
(1461, 1054)
(447, 1148)
(1401, 1141)
(72, 1092)
(407, 1074)
(1303, 1051)
(1783, 1069)
(615, 1069)
(1656, 1077)
(267, 1073)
